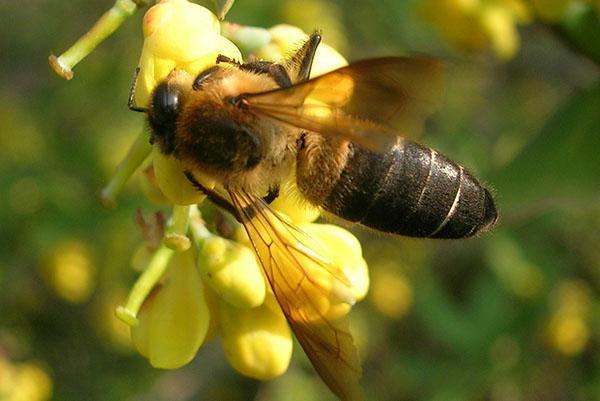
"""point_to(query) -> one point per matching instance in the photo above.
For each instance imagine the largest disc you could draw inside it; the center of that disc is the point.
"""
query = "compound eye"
(166, 101)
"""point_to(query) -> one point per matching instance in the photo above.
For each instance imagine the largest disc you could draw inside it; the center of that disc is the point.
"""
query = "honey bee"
(344, 136)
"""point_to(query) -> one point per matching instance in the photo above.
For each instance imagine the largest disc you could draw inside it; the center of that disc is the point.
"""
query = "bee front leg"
(223, 203)
(272, 195)
(213, 196)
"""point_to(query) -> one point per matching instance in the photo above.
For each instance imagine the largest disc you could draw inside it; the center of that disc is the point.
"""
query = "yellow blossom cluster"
(205, 285)
(475, 25)
(569, 328)
(478, 24)
(24, 381)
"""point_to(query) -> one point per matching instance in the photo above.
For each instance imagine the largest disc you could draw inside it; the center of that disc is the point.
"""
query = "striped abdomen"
(410, 190)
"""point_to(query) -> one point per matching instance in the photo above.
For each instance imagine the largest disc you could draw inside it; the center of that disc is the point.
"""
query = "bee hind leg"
(302, 61)
(276, 71)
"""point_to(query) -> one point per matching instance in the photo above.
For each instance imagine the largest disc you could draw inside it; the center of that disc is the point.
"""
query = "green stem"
(136, 155)
(104, 27)
(198, 229)
(144, 285)
(175, 234)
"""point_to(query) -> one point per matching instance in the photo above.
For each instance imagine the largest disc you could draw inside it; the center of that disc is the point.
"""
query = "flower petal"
(174, 321)
(232, 271)
(257, 341)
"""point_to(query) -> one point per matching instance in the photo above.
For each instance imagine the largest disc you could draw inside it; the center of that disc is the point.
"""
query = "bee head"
(165, 107)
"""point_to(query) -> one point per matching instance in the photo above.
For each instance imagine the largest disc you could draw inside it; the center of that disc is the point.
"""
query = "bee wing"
(313, 293)
(370, 102)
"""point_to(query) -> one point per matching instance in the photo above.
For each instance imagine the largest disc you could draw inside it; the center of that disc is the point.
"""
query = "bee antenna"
(130, 102)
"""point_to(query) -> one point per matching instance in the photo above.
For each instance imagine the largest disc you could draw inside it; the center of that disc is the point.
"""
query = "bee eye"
(165, 102)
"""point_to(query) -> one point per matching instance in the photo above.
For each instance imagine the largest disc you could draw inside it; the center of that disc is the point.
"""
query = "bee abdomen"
(411, 190)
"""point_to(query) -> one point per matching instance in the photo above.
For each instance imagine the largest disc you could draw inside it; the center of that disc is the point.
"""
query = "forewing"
(363, 102)
(313, 292)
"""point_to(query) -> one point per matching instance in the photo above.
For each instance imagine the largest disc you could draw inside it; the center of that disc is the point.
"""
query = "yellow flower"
(26, 381)
(568, 330)
(178, 34)
(174, 320)
(70, 271)
(392, 293)
(184, 36)
(478, 24)
(257, 341)
(232, 272)
(346, 253)
(291, 203)
(172, 183)
(226, 293)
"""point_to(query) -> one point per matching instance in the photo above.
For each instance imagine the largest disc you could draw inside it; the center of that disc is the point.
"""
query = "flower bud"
(257, 341)
(232, 271)
(178, 34)
(70, 271)
(569, 328)
(25, 381)
(476, 25)
(345, 252)
(174, 320)
(285, 39)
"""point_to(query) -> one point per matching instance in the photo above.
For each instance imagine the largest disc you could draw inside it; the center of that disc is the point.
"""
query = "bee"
(345, 138)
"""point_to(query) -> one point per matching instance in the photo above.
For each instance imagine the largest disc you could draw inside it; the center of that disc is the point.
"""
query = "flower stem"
(138, 152)
(104, 27)
(198, 229)
(175, 235)
(145, 283)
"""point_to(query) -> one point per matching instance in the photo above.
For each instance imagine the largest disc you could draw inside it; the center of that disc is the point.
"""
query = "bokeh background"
(512, 315)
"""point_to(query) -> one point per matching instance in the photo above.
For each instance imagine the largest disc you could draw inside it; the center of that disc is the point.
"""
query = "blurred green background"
(512, 315)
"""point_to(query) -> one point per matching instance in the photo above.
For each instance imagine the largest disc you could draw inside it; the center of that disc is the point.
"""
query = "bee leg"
(203, 76)
(271, 195)
(213, 196)
(302, 61)
(130, 104)
(276, 71)
(280, 75)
